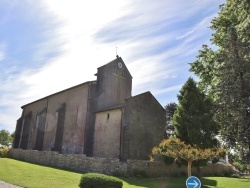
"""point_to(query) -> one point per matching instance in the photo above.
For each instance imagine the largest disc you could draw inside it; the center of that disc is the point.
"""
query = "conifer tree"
(193, 119)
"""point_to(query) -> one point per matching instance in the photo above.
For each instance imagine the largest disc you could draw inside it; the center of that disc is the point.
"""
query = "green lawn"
(30, 175)
(36, 176)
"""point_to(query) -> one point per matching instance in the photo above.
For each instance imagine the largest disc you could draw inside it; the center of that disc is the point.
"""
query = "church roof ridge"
(117, 59)
(147, 92)
(67, 89)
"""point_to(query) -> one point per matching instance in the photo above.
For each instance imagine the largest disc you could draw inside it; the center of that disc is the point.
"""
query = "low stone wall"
(81, 163)
(74, 162)
(156, 169)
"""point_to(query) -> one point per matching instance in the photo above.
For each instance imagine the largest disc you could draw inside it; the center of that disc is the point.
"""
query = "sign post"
(193, 182)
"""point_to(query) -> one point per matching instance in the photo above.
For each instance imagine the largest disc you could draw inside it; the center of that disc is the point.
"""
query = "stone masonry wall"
(155, 169)
(74, 162)
(107, 134)
(81, 163)
(144, 122)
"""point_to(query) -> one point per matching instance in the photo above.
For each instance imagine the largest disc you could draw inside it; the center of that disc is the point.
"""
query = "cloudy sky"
(50, 45)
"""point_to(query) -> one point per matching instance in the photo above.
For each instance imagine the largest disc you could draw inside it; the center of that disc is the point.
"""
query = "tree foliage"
(5, 137)
(233, 90)
(235, 13)
(176, 149)
(193, 119)
(224, 72)
(170, 110)
(205, 68)
(4, 150)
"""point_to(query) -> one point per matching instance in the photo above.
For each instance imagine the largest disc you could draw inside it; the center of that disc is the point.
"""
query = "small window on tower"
(108, 116)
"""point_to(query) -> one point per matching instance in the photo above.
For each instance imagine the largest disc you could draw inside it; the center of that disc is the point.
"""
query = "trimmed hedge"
(95, 180)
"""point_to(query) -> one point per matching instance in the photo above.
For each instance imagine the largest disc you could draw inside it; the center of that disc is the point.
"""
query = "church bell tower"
(114, 84)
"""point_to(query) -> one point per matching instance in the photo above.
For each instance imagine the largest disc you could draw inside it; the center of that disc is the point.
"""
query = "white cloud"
(169, 89)
(148, 35)
(81, 55)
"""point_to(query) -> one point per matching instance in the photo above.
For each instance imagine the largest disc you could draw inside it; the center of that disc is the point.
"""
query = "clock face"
(120, 65)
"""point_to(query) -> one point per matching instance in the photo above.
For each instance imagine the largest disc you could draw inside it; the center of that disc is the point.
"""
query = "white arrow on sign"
(195, 184)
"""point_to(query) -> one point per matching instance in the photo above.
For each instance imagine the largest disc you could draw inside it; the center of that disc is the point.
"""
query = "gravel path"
(7, 185)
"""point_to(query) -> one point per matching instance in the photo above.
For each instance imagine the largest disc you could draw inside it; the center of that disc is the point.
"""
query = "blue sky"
(50, 45)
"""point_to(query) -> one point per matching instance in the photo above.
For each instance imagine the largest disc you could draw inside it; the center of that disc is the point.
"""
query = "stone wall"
(74, 162)
(143, 128)
(81, 163)
(107, 139)
(56, 122)
(156, 169)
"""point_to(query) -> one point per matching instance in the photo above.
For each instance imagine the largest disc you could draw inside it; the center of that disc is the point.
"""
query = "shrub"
(4, 150)
(240, 166)
(95, 180)
(235, 176)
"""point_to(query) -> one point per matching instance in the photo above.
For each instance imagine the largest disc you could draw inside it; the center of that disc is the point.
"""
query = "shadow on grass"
(167, 183)
(156, 183)
(245, 179)
(208, 183)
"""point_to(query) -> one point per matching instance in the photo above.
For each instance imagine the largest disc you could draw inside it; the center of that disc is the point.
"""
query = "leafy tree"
(234, 13)
(170, 110)
(175, 148)
(205, 68)
(224, 72)
(193, 119)
(5, 137)
(233, 91)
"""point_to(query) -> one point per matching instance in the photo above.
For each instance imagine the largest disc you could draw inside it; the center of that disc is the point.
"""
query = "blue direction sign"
(193, 182)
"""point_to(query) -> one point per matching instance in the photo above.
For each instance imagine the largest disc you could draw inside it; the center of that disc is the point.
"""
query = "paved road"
(7, 185)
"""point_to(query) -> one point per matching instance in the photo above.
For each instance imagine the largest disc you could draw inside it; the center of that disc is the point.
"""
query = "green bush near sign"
(96, 180)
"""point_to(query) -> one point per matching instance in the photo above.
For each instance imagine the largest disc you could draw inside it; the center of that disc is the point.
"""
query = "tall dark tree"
(170, 110)
(225, 72)
(193, 119)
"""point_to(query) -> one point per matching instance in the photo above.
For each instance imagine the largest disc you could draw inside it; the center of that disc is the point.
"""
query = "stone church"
(97, 118)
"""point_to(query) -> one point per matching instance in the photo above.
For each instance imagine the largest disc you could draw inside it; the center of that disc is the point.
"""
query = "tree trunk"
(189, 167)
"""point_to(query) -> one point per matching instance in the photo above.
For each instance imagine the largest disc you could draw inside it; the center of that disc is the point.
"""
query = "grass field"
(36, 176)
